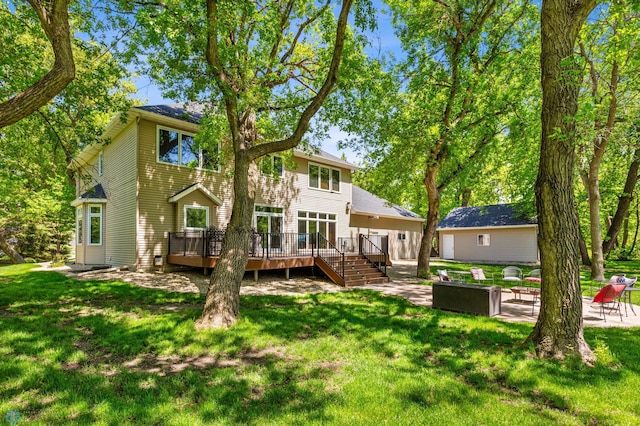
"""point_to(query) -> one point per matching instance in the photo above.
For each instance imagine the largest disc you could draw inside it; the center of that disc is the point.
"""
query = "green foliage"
(35, 185)
(110, 352)
(285, 50)
(469, 109)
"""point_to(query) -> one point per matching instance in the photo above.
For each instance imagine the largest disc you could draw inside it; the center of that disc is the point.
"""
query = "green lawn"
(630, 268)
(112, 353)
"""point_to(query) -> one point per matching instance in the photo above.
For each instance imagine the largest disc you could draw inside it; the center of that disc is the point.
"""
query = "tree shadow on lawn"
(103, 351)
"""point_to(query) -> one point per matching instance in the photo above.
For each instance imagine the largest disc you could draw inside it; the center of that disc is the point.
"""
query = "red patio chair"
(610, 294)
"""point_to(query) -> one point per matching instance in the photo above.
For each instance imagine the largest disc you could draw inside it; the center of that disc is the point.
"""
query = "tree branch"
(316, 102)
(55, 23)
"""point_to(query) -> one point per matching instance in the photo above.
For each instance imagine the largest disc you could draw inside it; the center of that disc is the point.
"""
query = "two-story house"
(150, 186)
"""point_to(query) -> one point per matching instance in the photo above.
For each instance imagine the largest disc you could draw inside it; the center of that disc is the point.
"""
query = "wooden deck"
(253, 264)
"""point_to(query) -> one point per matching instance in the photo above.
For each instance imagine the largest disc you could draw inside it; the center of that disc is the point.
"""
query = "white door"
(447, 246)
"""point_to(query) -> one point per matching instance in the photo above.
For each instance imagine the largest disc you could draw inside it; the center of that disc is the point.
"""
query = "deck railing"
(375, 254)
(268, 245)
(264, 245)
(331, 255)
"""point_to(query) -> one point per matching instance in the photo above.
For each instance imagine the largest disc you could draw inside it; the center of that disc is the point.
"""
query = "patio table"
(532, 291)
(627, 299)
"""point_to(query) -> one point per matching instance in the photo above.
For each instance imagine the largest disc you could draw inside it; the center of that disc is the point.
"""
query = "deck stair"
(358, 270)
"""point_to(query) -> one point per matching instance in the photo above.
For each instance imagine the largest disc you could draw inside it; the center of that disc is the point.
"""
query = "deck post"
(255, 275)
(286, 273)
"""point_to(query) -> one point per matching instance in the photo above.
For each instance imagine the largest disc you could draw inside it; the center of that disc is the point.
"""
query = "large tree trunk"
(8, 249)
(624, 201)
(433, 214)
(593, 189)
(559, 329)
(222, 307)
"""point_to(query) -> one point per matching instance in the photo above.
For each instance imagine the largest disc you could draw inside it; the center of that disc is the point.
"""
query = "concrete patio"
(404, 285)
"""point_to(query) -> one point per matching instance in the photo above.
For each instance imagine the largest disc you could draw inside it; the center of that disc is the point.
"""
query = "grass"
(630, 268)
(109, 353)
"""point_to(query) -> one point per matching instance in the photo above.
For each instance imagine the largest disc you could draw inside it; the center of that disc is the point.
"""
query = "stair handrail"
(328, 245)
(374, 250)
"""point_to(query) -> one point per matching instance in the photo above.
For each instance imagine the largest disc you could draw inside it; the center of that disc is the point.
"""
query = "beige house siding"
(119, 182)
(407, 248)
(156, 183)
(196, 198)
(293, 194)
(506, 244)
(91, 254)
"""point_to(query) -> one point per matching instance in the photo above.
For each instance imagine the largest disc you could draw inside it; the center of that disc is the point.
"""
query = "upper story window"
(179, 148)
(272, 165)
(325, 178)
(100, 160)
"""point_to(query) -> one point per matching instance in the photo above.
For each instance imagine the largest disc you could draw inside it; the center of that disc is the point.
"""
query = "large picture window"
(196, 217)
(314, 222)
(95, 224)
(178, 148)
(324, 178)
(79, 225)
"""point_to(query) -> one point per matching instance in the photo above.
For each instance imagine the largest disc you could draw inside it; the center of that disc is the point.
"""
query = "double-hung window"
(95, 224)
(179, 148)
(324, 178)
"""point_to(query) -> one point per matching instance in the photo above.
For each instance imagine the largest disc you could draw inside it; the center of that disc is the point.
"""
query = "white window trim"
(193, 206)
(79, 225)
(91, 215)
(306, 218)
(272, 214)
(487, 239)
(321, 166)
(180, 134)
(100, 162)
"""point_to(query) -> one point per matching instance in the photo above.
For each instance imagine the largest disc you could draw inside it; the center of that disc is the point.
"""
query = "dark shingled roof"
(97, 192)
(192, 112)
(365, 202)
(485, 216)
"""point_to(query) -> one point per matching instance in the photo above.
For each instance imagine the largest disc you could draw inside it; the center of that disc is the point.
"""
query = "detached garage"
(497, 233)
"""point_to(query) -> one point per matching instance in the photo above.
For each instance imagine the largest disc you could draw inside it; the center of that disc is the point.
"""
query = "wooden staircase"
(359, 271)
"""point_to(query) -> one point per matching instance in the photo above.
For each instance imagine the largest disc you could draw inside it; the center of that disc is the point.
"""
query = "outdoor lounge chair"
(512, 274)
(610, 295)
(478, 275)
(535, 273)
(535, 276)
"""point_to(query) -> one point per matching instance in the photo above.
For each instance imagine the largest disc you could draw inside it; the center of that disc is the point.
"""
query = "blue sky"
(383, 40)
